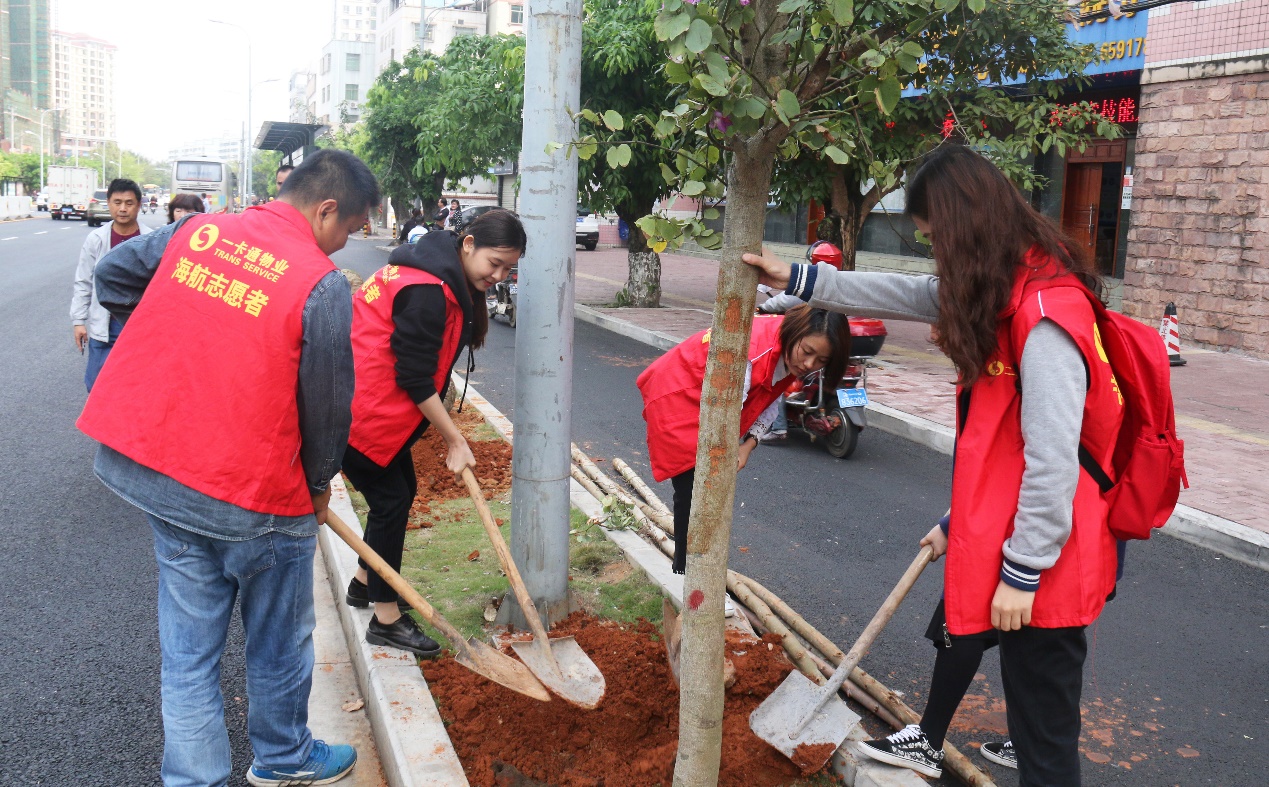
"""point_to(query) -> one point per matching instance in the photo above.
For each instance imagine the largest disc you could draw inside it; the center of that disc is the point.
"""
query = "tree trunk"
(643, 284)
(709, 530)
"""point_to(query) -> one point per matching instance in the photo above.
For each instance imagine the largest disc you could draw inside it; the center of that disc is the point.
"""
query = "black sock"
(954, 670)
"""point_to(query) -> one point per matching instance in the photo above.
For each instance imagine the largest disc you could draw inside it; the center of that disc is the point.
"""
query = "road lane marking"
(11, 237)
(42, 232)
(67, 228)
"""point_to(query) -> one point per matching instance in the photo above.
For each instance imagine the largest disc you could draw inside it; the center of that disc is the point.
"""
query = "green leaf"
(677, 73)
(711, 85)
(711, 214)
(843, 11)
(668, 174)
(716, 65)
(623, 155)
(693, 188)
(712, 242)
(837, 154)
(751, 107)
(699, 36)
(551, 147)
(872, 58)
(907, 62)
(613, 120)
(976, 6)
(585, 151)
(888, 95)
(590, 115)
(913, 48)
(788, 103)
(791, 6)
(614, 161)
(668, 27)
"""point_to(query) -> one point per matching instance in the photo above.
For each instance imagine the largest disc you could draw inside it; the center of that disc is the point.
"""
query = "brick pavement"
(1222, 400)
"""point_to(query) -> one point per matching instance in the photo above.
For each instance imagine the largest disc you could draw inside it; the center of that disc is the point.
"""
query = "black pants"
(955, 666)
(389, 491)
(1043, 674)
(682, 484)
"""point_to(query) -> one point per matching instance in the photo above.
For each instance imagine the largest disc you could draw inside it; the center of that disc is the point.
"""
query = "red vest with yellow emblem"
(987, 474)
(671, 389)
(201, 384)
(384, 415)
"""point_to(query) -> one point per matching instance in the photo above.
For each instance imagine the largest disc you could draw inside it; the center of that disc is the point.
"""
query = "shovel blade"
(577, 679)
(501, 669)
(775, 718)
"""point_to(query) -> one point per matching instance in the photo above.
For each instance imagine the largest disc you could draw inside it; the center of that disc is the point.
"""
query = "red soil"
(631, 739)
(436, 482)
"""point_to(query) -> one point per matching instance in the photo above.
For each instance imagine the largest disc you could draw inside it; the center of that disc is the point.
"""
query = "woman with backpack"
(1029, 551)
(782, 349)
(412, 320)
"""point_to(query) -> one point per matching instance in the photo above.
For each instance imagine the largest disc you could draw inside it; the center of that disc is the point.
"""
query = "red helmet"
(823, 251)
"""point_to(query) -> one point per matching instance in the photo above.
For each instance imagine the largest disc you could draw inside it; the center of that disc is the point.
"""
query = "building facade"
(84, 87)
(1200, 228)
(345, 71)
(354, 20)
(25, 75)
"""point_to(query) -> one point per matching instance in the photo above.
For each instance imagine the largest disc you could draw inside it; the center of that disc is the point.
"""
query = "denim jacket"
(324, 391)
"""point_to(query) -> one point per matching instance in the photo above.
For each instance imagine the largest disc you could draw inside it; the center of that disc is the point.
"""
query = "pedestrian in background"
(441, 215)
(93, 326)
(283, 172)
(182, 205)
(416, 218)
(455, 219)
(1029, 552)
(236, 487)
(412, 320)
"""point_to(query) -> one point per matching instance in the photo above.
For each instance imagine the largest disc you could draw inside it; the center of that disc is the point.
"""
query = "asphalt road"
(79, 650)
(1176, 688)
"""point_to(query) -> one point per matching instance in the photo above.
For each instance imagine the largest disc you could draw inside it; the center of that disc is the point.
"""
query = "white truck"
(68, 190)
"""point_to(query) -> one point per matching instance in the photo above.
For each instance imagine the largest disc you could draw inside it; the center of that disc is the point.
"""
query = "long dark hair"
(500, 229)
(982, 227)
(802, 321)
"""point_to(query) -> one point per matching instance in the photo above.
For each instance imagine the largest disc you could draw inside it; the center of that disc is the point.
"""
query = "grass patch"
(484, 433)
(436, 564)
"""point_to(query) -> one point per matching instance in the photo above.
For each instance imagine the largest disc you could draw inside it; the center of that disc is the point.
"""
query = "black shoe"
(1000, 753)
(358, 596)
(907, 748)
(403, 634)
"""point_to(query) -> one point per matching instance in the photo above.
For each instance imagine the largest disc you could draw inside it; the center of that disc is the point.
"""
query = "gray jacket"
(85, 308)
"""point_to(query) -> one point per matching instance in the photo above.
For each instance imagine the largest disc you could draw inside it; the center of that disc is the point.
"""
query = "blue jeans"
(781, 423)
(97, 352)
(199, 577)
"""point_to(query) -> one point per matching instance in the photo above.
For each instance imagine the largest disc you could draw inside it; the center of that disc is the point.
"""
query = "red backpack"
(1149, 459)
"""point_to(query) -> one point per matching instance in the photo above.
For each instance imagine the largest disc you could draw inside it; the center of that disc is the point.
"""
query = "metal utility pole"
(544, 331)
(246, 173)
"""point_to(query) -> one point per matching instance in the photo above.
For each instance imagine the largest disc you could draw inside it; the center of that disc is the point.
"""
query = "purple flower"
(720, 123)
(744, 2)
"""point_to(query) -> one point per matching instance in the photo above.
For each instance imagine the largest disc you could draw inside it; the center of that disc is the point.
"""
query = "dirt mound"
(631, 739)
(436, 482)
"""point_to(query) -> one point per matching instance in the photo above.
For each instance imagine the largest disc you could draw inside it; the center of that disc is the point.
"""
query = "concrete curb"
(414, 748)
(855, 768)
(1229, 538)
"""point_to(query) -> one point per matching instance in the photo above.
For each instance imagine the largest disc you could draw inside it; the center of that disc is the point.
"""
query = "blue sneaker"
(325, 764)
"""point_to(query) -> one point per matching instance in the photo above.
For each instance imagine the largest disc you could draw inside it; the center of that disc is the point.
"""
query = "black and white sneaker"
(907, 748)
(1000, 753)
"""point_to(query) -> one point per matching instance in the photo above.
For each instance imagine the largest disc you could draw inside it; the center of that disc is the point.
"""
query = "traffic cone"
(1170, 330)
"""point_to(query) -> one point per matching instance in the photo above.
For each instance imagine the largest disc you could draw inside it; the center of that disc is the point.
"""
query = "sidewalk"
(1222, 400)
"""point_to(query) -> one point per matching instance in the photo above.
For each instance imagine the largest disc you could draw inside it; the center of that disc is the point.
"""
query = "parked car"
(41, 203)
(98, 209)
(587, 229)
(470, 214)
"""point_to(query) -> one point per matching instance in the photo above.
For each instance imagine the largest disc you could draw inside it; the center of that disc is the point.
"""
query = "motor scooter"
(837, 417)
(500, 299)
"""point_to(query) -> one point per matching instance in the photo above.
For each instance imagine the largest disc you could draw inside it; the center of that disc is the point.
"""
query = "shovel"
(472, 654)
(559, 663)
(807, 723)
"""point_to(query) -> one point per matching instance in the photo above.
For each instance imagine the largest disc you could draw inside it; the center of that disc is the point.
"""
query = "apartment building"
(345, 71)
(83, 86)
(25, 84)
(354, 20)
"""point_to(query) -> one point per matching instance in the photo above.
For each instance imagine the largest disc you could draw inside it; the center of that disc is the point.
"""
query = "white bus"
(208, 176)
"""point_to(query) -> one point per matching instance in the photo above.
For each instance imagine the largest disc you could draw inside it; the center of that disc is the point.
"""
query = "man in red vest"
(223, 415)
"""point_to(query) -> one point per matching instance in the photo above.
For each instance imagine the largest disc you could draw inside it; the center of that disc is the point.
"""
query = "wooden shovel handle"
(878, 622)
(398, 583)
(504, 557)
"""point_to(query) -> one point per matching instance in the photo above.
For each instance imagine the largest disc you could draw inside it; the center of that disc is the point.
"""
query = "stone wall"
(1200, 212)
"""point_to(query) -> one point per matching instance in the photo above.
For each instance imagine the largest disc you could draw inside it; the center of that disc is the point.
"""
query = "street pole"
(544, 334)
(246, 168)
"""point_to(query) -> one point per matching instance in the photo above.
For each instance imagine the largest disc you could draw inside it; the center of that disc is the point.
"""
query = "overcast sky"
(178, 77)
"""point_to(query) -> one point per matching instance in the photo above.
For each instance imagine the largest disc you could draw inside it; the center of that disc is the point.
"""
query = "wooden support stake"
(632, 478)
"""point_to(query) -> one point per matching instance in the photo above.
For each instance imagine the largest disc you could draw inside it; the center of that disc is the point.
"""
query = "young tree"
(622, 73)
(768, 79)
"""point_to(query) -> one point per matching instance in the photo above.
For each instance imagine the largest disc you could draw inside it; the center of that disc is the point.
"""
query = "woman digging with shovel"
(1029, 552)
(781, 349)
(411, 322)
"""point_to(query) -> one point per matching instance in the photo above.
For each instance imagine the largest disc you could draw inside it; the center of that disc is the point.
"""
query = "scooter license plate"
(852, 397)
(513, 288)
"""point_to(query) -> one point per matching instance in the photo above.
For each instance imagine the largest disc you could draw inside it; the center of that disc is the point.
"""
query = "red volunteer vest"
(384, 415)
(671, 389)
(989, 463)
(201, 386)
